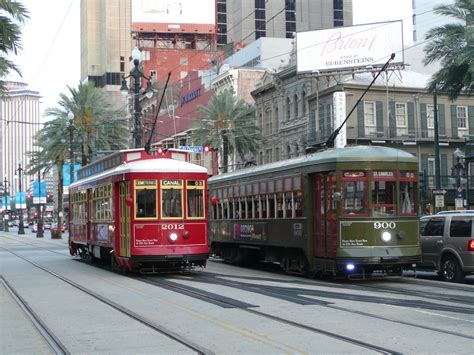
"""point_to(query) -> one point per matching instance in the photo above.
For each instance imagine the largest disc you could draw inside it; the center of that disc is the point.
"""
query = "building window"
(288, 108)
(268, 121)
(290, 18)
(303, 102)
(122, 64)
(268, 156)
(295, 101)
(401, 114)
(338, 13)
(260, 25)
(369, 113)
(461, 112)
(221, 22)
(430, 116)
(277, 120)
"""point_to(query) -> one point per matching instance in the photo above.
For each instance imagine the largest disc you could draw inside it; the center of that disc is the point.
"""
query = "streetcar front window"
(171, 200)
(145, 199)
(146, 203)
(195, 200)
(354, 197)
(384, 198)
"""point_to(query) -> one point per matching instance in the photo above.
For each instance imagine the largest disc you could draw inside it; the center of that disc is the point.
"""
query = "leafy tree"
(228, 123)
(12, 14)
(453, 45)
(97, 126)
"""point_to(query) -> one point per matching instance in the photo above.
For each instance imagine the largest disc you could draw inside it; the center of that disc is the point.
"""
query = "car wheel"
(450, 270)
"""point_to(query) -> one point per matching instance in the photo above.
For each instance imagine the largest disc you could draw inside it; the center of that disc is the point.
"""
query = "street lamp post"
(21, 227)
(137, 74)
(39, 230)
(457, 171)
(5, 198)
(70, 127)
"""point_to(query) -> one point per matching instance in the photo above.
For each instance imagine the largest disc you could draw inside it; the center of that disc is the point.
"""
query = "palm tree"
(228, 123)
(12, 14)
(97, 124)
(453, 45)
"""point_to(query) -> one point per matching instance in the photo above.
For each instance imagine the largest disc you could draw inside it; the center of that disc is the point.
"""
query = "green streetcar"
(348, 211)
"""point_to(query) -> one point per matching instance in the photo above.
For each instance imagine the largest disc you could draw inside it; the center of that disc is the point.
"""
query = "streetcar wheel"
(450, 270)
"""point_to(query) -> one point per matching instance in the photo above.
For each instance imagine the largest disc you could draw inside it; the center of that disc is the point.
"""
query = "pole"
(136, 74)
(436, 146)
(21, 227)
(5, 196)
(39, 230)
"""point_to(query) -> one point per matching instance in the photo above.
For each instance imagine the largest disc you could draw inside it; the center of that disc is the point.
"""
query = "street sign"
(439, 201)
(190, 148)
(439, 192)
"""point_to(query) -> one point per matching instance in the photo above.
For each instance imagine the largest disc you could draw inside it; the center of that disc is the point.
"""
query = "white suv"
(447, 244)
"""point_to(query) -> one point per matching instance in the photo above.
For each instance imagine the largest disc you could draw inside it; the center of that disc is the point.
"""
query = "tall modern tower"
(105, 41)
(243, 21)
(19, 122)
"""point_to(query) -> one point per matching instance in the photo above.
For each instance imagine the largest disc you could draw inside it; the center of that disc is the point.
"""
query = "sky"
(50, 58)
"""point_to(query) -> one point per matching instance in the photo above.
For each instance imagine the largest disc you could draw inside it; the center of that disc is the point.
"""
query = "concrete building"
(243, 21)
(19, 122)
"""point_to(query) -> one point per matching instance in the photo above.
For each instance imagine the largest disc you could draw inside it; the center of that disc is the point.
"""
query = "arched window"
(303, 103)
(276, 120)
(295, 100)
(288, 108)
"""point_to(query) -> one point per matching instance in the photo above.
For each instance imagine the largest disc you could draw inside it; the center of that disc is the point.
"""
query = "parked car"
(447, 244)
(47, 225)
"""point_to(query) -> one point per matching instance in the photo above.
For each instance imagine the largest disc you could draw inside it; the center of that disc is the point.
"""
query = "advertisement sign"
(20, 200)
(339, 107)
(67, 175)
(39, 192)
(250, 231)
(5, 203)
(349, 47)
(174, 11)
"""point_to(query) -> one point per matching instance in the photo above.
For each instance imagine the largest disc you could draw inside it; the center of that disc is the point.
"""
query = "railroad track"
(46, 333)
(143, 320)
(272, 292)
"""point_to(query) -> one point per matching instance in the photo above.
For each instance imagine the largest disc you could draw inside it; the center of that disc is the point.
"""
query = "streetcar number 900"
(385, 225)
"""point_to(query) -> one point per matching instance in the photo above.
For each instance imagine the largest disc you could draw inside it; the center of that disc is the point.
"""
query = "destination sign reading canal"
(171, 182)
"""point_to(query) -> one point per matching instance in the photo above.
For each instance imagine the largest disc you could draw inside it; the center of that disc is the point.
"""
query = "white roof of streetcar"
(158, 165)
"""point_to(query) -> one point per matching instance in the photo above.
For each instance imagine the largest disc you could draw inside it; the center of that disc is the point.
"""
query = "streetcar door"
(124, 219)
(325, 227)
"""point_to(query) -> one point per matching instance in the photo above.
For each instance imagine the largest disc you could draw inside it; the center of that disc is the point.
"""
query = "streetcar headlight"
(386, 236)
(350, 267)
(173, 237)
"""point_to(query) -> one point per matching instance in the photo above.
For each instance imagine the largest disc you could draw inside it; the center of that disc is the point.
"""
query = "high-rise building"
(19, 122)
(243, 21)
(105, 41)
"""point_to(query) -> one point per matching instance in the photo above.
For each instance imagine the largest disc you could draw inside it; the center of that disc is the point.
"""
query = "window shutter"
(392, 123)
(441, 120)
(411, 119)
(379, 117)
(454, 121)
(360, 120)
(423, 121)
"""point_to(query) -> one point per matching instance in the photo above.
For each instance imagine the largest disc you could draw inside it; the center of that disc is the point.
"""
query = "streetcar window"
(146, 203)
(195, 198)
(384, 198)
(171, 200)
(354, 197)
(407, 197)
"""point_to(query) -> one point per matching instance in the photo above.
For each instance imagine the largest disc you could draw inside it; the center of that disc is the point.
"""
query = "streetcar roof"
(346, 154)
(159, 165)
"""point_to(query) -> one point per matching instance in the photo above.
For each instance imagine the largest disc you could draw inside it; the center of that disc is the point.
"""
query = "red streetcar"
(142, 212)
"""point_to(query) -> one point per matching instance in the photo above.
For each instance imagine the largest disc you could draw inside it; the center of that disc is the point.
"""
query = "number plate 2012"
(172, 226)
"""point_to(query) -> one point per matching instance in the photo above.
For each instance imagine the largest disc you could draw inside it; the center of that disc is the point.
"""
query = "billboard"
(174, 11)
(349, 47)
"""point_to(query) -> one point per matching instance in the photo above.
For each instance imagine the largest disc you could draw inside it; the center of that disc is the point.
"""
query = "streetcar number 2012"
(385, 225)
(172, 226)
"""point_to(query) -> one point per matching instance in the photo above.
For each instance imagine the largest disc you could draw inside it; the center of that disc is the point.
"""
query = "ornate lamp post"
(457, 172)
(5, 198)
(137, 74)
(21, 227)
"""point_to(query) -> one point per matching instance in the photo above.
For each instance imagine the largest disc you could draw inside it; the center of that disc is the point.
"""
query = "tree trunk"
(225, 151)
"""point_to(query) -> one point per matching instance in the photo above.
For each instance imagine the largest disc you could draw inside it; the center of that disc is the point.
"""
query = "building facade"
(19, 122)
(243, 21)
